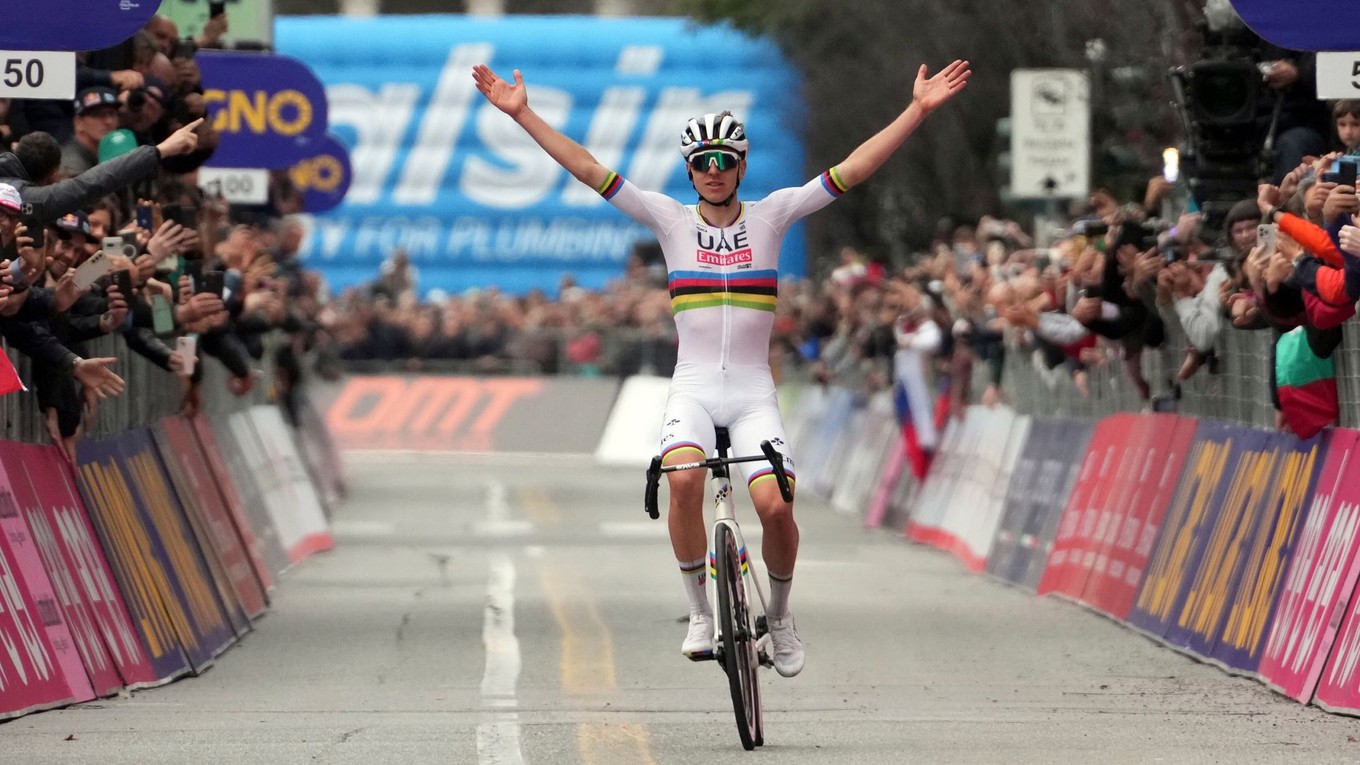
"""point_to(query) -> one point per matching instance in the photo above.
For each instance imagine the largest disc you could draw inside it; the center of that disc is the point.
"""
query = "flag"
(9, 377)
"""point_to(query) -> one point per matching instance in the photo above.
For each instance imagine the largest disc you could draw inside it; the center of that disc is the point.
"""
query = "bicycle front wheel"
(738, 639)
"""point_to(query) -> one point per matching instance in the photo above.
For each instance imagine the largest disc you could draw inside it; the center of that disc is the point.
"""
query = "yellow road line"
(587, 658)
(540, 508)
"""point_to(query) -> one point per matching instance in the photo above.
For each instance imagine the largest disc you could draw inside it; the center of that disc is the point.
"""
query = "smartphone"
(162, 315)
(213, 282)
(36, 231)
(95, 266)
(194, 270)
(187, 345)
(1265, 234)
(144, 217)
(216, 8)
(1345, 173)
(122, 279)
(184, 215)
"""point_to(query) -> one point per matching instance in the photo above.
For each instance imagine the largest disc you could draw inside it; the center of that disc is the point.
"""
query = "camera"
(115, 246)
(1224, 105)
(1142, 237)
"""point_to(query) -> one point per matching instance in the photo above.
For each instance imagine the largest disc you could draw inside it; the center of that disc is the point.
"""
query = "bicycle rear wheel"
(738, 639)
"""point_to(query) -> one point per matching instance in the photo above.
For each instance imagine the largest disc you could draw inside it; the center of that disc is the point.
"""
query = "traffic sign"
(1050, 133)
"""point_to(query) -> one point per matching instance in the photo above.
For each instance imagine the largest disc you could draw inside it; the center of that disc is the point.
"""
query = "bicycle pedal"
(701, 656)
(763, 650)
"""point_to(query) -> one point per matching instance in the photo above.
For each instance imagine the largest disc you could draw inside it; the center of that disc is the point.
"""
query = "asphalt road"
(511, 610)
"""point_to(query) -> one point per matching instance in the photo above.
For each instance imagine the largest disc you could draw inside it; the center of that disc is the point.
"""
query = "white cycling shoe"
(788, 649)
(698, 643)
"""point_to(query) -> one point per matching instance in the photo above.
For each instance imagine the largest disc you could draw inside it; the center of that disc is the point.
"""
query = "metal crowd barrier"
(1239, 392)
(151, 393)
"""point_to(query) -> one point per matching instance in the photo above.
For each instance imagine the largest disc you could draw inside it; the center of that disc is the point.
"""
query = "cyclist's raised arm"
(514, 101)
(927, 95)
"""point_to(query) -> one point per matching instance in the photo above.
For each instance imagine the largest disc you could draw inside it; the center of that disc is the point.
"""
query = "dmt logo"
(286, 112)
(425, 413)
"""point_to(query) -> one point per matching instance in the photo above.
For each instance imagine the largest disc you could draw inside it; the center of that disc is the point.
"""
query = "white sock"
(695, 574)
(780, 584)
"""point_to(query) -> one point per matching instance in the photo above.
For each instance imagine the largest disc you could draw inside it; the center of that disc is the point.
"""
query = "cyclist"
(722, 256)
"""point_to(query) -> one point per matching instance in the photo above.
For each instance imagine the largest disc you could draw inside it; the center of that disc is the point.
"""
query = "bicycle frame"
(724, 511)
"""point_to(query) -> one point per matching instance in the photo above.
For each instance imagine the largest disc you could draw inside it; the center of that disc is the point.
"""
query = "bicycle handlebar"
(777, 462)
(770, 454)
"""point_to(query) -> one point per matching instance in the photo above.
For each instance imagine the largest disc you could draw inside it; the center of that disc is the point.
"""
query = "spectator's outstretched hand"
(930, 94)
(1268, 196)
(182, 141)
(1350, 237)
(98, 375)
(171, 239)
(511, 99)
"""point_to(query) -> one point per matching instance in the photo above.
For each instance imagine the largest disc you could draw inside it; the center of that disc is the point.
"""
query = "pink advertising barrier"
(1320, 579)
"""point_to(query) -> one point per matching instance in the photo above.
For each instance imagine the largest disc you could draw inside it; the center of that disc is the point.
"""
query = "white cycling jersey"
(724, 282)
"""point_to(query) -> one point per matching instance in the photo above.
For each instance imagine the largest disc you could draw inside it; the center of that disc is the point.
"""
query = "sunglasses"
(700, 163)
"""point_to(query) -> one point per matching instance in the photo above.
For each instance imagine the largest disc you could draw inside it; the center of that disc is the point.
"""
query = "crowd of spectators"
(106, 233)
(111, 177)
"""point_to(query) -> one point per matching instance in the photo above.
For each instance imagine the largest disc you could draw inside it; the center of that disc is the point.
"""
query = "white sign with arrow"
(1050, 133)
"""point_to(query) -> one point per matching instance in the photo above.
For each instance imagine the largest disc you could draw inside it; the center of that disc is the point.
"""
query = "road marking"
(539, 506)
(502, 529)
(498, 733)
(588, 666)
(498, 523)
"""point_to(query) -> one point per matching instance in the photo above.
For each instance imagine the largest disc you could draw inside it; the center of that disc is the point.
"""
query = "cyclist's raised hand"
(930, 94)
(510, 99)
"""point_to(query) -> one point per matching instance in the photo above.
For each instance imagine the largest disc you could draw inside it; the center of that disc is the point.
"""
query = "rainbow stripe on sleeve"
(611, 185)
(697, 289)
(831, 181)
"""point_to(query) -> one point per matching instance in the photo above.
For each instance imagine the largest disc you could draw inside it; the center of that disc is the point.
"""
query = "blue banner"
(466, 193)
(71, 24)
(1263, 556)
(1301, 24)
(138, 561)
(324, 175)
(1185, 528)
(1058, 472)
(1210, 578)
(270, 110)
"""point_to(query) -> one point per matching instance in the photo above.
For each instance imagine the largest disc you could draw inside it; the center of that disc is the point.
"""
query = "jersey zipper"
(727, 320)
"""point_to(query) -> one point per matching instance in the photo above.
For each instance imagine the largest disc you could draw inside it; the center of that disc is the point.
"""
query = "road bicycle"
(742, 643)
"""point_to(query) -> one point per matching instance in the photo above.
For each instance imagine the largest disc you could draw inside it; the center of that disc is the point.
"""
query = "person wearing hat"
(96, 116)
(18, 273)
(74, 244)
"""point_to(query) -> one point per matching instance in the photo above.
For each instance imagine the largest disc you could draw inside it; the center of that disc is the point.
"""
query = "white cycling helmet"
(713, 132)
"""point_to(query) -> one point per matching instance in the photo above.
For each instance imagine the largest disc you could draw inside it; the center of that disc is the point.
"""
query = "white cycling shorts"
(740, 398)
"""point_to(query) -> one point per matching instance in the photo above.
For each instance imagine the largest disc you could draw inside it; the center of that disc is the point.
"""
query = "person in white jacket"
(918, 343)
